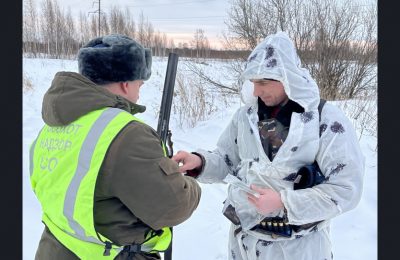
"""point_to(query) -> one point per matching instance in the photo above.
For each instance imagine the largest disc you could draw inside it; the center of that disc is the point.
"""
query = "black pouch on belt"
(230, 214)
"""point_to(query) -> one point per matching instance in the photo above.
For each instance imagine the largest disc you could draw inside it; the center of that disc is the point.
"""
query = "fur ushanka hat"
(114, 58)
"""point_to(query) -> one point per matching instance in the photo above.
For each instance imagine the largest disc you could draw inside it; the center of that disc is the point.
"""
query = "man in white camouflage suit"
(280, 129)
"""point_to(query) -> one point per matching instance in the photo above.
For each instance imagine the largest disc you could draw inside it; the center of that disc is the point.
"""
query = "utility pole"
(99, 14)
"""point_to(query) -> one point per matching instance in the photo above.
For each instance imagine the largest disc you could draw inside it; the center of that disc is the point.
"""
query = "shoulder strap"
(315, 164)
(320, 106)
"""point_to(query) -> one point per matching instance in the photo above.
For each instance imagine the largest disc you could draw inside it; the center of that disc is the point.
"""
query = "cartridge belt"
(279, 227)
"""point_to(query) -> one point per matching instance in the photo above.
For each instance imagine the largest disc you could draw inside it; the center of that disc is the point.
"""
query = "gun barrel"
(166, 102)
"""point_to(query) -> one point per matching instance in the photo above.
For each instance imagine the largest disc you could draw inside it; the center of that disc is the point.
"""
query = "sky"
(179, 19)
(204, 236)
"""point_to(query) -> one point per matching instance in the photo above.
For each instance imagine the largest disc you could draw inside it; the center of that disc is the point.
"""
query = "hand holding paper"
(241, 185)
(268, 201)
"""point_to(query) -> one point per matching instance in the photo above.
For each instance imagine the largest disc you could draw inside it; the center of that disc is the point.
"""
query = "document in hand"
(240, 184)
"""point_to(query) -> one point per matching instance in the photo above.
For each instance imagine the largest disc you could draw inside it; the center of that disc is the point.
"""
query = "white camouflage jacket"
(239, 150)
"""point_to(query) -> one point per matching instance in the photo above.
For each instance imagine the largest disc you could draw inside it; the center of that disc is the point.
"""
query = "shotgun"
(163, 120)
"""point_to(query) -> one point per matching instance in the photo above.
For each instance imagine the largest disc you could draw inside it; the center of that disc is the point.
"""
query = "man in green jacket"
(120, 202)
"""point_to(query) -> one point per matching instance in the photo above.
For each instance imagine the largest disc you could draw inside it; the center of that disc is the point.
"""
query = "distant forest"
(50, 31)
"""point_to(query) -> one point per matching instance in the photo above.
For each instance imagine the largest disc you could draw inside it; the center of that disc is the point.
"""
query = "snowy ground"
(204, 235)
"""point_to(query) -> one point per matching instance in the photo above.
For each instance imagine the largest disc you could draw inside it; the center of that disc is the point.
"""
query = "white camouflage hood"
(276, 58)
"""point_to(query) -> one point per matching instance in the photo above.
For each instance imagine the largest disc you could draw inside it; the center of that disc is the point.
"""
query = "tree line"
(53, 32)
(336, 40)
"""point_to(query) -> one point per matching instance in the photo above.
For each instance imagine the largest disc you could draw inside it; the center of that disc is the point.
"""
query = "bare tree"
(104, 27)
(141, 30)
(335, 40)
(149, 32)
(83, 31)
(165, 44)
(244, 22)
(70, 44)
(93, 26)
(117, 20)
(47, 25)
(57, 31)
(30, 28)
(200, 44)
(171, 44)
(130, 28)
(159, 44)
(121, 22)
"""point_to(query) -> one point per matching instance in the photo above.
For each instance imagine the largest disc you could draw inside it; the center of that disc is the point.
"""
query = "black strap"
(237, 231)
(132, 249)
(320, 106)
(107, 248)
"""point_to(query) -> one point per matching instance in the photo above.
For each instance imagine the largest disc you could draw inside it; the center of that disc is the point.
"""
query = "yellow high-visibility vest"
(64, 164)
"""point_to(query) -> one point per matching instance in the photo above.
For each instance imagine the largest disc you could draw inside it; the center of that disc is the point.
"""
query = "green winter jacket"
(137, 188)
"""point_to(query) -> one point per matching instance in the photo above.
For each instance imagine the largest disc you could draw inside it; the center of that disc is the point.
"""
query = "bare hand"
(187, 161)
(269, 200)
